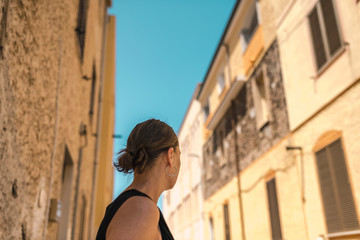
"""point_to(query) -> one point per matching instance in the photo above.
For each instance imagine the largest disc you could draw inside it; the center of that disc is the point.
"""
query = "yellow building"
(104, 176)
(57, 116)
(322, 85)
(282, 123)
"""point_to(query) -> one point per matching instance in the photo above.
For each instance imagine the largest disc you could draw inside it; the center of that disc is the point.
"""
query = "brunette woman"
(153, 155)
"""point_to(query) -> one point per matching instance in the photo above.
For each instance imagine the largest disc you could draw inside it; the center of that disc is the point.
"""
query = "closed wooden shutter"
(226, 221)
(337, 198)
(318, 42)
(81, 26)
(331, 26)
(274, 210)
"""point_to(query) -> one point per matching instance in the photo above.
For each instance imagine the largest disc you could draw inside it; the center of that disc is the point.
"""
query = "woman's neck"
(149, 184)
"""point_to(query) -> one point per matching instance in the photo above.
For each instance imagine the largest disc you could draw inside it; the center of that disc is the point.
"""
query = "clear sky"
(163, 49)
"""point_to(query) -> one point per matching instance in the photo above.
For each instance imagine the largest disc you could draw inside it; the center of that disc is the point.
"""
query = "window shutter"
(226, 221)
(338, 201)
(331, 26)
(81, 27)
(347, 205)
(93, 86)
(328, 192)
(317, 39)
(274, 210)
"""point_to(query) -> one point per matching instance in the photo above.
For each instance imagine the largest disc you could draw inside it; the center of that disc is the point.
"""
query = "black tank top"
(116, 204)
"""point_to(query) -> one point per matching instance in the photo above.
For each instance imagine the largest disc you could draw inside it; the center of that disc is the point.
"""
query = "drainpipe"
(98, 127)
(241, 205)
(242, 224)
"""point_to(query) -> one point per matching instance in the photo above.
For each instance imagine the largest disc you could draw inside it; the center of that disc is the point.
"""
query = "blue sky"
(163, 49)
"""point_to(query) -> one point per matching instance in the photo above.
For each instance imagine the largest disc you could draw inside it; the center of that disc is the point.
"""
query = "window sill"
(343, 234)
(262, 125)
(323, 69)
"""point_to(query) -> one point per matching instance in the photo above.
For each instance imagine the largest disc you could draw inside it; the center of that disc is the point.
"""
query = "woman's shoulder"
(137, 212)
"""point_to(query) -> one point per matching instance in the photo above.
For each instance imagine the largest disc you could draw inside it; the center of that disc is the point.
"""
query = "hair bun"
(140, 159)
(125, 162)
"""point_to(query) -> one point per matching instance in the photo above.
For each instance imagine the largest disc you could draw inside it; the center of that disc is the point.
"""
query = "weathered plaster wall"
(40, 85)
(251, 141)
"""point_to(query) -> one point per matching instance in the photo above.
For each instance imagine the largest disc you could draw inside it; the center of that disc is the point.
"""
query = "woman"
(153, 154)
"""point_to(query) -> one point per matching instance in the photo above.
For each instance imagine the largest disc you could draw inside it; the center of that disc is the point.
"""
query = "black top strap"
(116, 204)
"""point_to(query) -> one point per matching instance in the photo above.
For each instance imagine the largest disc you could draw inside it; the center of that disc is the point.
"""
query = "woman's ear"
(170, 156)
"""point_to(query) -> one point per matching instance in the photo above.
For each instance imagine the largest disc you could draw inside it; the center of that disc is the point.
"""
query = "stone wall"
(252, 142)
(43, 102)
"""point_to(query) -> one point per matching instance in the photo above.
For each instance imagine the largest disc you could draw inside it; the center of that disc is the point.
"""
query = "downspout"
(238, 178)
(241, 205)
(57, 99)
(98, 127)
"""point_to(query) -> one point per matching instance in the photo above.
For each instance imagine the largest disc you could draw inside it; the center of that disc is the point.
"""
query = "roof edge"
(219, 46)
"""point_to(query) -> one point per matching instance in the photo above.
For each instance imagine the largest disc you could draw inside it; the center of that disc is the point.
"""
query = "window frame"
(258, 105)
(221, 81)
(227, 221)
(324, 39)
(323, 142)
(249, 18)
(270, 178)
(81, 26)
(206, 109)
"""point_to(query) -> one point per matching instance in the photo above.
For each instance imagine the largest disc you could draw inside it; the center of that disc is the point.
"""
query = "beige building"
(57, 114)
(282, 126)
(322, 85)
(183, 205)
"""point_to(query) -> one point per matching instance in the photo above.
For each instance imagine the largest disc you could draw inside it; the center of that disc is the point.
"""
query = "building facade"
(246, 118)
(281, 123)
(56, 111)
(321, 85)
(183, 205)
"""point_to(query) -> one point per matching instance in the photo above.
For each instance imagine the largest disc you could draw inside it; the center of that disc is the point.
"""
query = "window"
(221, 141)
(251, 23)
(81, 25)
(324, 32)
(66, 194)
(274, 210)
(3, 22)
(226, 221)
(82, 220)
(209, 163)
(92, 96)
(337, 198)
(214, 141)
(261, 99)
(211, 223)
(221, 82)
(206, 110)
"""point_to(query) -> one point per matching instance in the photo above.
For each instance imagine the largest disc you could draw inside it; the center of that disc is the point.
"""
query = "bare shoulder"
(137, 218)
